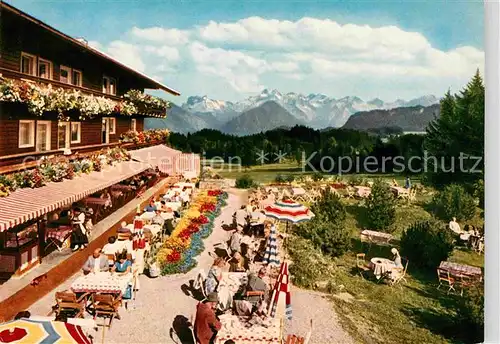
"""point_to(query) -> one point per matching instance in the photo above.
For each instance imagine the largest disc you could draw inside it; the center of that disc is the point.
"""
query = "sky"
(229, 50)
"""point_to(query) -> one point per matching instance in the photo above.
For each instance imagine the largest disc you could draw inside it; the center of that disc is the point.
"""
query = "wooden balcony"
(19, 162)
(9, 73)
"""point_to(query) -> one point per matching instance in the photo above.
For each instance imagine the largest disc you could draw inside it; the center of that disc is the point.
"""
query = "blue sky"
(232, 49)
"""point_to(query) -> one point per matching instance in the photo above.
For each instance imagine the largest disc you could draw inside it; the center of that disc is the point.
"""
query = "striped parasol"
(282, 288)
(289, 211)
(28, 331)
(271, 257)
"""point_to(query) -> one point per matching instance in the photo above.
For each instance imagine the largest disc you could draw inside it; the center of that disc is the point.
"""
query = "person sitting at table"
(105, 195)
(123, 266)
(96, 262)
(112, 246)
(79, 239)
(240, 217)
(237, 263)
(235, 241)
(454, 226)
(214, 275)
(396, 258)
(158, 219)
(256, 283)
(176, 197)
(151, 207)
(206, 324)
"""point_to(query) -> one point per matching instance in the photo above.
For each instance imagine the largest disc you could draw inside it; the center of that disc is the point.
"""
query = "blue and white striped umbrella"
(271, 257)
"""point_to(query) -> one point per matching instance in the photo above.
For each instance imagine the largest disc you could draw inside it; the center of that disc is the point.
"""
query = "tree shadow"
(438, 323)
(360, 213)
(180, 332)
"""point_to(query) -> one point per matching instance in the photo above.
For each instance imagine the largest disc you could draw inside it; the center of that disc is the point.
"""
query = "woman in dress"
(79, 239)
(214, 275)
(123, 266)
(396, 258)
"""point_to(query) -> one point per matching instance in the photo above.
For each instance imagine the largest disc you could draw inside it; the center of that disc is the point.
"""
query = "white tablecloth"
(242, 330)
(228, 286)
(175, 206)
(102, 282)
(381, 266)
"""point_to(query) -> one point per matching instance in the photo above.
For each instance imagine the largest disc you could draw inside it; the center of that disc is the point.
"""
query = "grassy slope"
(414, 313)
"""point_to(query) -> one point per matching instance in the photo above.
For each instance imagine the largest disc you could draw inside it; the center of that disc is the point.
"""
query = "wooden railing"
(18, 162)
(9, 73)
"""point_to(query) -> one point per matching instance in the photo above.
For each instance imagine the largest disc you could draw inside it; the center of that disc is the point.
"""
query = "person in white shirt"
(184, 198)
(241, 217)
(112, 247)
(454, 226)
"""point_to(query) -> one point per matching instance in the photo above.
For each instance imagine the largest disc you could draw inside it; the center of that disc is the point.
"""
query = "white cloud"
(160, 34)
(127, 53)
(171, 54)
(310, 55)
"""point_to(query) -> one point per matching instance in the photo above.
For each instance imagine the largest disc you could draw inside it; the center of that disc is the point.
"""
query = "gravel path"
(307, 305)
(162, 307)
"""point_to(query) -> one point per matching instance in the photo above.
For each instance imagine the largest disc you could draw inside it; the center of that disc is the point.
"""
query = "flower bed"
(178, 252)
(42, 98)
(146, 136)
(59, 168)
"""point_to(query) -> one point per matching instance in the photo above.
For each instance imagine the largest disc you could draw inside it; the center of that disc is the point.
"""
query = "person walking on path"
(206, 324)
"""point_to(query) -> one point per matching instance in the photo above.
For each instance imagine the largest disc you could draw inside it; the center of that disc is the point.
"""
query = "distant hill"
(181, 121)
(267, 116)
(415, 118)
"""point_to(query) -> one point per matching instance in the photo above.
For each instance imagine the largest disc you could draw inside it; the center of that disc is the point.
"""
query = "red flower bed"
(214, 192)
(174, 257)
(207, 208)
(201, 220)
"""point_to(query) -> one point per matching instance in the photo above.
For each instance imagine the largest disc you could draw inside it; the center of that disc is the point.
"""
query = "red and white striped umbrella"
(282, 289)
(289, 211)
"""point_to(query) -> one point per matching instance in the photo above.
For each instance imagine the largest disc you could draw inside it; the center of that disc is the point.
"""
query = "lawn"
(267, 173)
(414, 312)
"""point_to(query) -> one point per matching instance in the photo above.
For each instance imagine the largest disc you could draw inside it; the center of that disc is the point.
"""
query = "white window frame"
(107, 90)
(34, 67)
(68, 135)
(133, 124)
(79, 124)
(31, 144)
(48, 139)
(69, 74)
(81, 77)
(49, 63)
(112, 128)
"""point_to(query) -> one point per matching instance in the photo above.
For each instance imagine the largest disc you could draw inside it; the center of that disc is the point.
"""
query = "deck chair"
(464, 283)
(444, 277)
(399, 273)
(107, 305)
(199, 282)
(361, 264)
(66, 301)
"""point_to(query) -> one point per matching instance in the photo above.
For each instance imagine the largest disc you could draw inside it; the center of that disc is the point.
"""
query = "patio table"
(381, 266)
(363, 191)
(60, 233)
(460, 270)
(249, 330)
(98, 201)
(374, 236)
(102, 282)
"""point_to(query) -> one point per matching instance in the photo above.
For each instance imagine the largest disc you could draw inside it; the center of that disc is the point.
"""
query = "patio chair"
(361, 264)
(465, 282)
(398, 274)
(107, 305)
(66, 301)
(60, 245)
(444, 277)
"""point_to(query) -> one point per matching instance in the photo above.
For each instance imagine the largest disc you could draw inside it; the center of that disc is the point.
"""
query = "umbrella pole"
(103, 330)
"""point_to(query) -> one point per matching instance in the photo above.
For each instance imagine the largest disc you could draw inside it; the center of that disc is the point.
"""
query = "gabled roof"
(154, 83)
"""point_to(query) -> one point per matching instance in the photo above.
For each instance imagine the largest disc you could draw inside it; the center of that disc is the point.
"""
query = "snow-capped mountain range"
(316, 110)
